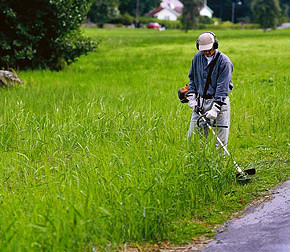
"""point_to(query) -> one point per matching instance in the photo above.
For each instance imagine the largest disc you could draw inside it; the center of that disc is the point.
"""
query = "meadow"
(95, 156)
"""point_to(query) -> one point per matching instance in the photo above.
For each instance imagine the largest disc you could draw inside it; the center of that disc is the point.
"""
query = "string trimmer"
(243, 174)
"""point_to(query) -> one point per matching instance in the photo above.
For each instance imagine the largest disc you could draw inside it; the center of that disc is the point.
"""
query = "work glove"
(192, 100)
(213, 113)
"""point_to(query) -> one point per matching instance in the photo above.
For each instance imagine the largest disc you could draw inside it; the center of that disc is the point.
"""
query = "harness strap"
(208, 80)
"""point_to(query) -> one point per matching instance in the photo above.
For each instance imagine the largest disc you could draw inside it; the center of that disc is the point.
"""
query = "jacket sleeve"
(191, 85)
(223, 81)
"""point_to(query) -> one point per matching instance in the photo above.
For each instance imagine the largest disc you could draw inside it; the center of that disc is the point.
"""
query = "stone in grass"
(9, 79)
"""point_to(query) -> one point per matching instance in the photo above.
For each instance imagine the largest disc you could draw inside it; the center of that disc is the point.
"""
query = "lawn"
(96, 156)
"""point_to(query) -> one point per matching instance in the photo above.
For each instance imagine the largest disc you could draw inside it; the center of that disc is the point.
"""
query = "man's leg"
(223, 119)
(193, 124)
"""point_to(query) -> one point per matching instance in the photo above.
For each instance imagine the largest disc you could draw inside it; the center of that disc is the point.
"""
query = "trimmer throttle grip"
(204, 122)
(197, 110)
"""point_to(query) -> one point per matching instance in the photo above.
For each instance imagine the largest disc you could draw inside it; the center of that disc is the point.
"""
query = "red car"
(153, 25)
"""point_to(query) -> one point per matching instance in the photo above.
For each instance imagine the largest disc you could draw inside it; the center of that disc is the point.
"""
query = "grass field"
(96, 156)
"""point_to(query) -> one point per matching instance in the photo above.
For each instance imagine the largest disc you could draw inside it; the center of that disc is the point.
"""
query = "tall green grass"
(96, 155)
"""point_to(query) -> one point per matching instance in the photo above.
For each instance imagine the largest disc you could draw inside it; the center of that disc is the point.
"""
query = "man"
(214, 103)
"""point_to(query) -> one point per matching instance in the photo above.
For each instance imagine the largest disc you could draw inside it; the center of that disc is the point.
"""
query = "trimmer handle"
(205, 121)
(197, 110)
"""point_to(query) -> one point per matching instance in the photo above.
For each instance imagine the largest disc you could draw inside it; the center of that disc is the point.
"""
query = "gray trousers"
(223, 119)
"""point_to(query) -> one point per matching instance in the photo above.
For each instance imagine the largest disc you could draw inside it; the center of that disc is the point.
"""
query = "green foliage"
(125, 19)
(42, 33)
(130, 6)
(171, 24)
(285, 6)
(285, 13)
(205, 20)
(229, 25)
(266, 13)
(190, 14)
(243, 13)
(102, 11)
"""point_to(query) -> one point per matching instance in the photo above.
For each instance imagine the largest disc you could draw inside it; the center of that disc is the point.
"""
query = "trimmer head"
(243, 178)
(251, 171)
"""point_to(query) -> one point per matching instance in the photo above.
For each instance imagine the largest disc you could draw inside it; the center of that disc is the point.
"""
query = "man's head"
(206, 41)
(208, 53)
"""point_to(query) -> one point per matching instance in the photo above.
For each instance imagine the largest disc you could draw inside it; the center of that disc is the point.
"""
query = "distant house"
(168, 10)
(172, 9)
(173, 4)
(206, 11)
(164, 14)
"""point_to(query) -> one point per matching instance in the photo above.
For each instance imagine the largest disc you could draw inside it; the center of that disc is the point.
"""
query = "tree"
(285, 4)
(42, 33)
(223, 9)
(266, 12)
(190, 14)
(102, 11)
(130, 6)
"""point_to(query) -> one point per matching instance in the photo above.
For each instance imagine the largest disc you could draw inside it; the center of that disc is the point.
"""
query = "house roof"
(174, 6)
(171, 4)
(207, 9)
(178, 9)
(159, 9)
(154, 11)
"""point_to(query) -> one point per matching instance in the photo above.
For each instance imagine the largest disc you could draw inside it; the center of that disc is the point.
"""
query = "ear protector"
(215, 44)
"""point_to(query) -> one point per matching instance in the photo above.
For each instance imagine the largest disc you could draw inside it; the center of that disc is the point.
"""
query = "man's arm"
(191, 84)
(223, 82)
(222, 90)
(191, 94)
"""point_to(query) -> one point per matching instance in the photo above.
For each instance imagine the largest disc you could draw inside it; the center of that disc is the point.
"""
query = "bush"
(42, 33)
(125, 19)
(171, 24)
(205, 20)
(228, 25)
(102, 11)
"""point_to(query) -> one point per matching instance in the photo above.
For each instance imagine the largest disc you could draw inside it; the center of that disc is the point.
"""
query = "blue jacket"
(221, 83)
